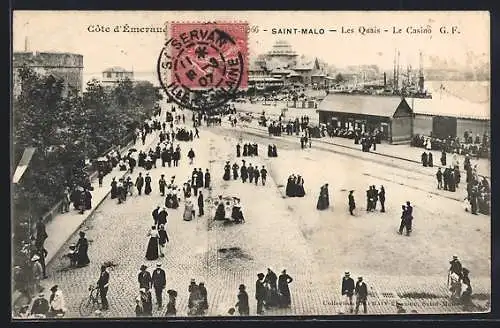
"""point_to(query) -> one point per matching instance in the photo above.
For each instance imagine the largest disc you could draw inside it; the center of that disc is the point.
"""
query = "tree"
(339, 78)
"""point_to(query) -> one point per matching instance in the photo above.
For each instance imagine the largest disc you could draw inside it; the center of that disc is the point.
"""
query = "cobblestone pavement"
(315, 247)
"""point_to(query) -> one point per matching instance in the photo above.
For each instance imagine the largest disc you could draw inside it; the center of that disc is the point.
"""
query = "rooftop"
(450, 106)
(360, 104)
(116, 69)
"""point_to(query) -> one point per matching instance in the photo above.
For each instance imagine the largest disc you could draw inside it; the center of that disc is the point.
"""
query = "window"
(108, 74)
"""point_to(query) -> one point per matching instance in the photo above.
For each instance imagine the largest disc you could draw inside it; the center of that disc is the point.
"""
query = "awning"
(23, 164)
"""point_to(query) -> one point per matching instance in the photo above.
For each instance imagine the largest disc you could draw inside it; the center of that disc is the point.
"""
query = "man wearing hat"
(159, 281)
(144, 278)
(201, 204)
(40, 306)
(139, 183)
(352, 204)
(347, 291)
(409, 211)
(260, 293)
(162, 216)
(155, 214)
(242, 304)
(162, 183)
(203, 295)
(103, 285)
(207, 179)
(361, 292)
(456, 266)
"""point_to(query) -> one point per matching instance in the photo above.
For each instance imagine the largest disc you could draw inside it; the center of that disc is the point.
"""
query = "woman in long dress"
(300, 192)
(275, 151)
(152, 251)
(188, 211)
(169, 199)
(236, 168)
(283, 280)
(227, 172)
(237, 214)
(82, 247)
(147, 181)
(220, 212)
(323, 199)
(290, 186)
(175, 198)
(187, 190)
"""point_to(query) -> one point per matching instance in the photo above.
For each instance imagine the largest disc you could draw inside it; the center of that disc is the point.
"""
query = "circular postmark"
(202, 66)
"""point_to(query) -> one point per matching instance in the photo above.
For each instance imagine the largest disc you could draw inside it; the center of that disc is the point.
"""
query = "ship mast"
(421, 74)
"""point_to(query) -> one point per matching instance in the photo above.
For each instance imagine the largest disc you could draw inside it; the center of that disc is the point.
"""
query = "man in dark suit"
(40, 306)
(347, 291)
(155, 214)
(352, 204)
(361, 292)
(144, 278)
(159, 283)
(139, 183)
(381, 198)
(409, 211)
(103, 284)
(260, 293)
(200, 204)
(162, 216)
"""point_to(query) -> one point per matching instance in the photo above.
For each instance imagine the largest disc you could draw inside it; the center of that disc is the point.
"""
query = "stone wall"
(66, 66)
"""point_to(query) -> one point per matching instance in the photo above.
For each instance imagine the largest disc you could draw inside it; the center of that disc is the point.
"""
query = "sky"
(68, 32)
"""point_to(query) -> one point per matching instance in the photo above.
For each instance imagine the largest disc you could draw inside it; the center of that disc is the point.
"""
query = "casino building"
(282, 66)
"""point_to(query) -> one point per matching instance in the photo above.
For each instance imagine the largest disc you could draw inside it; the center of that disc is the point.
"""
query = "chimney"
(26, 44)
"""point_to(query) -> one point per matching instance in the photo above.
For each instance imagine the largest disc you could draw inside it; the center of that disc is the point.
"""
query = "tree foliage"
(66, 129)
(339, 78)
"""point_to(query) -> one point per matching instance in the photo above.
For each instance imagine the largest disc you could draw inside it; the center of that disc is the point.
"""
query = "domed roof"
(282, 47)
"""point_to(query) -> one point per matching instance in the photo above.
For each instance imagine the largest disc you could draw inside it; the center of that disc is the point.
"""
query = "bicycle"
(90, 303)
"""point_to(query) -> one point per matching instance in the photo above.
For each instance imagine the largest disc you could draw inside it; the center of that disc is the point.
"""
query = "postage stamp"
(204, 65)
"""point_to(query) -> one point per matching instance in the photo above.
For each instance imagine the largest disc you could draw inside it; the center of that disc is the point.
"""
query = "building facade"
(65, 66)
(392, 116)
(442, 117)
(113, 75)
(283, 66)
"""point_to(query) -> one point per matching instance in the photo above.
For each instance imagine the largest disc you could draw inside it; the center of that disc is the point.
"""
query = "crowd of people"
(272, 151)
(295, 186)
(228, 209)
(406, 219)
(478, 147)
(249, 149)
(271, 291)
(459, 283)
(250, 173)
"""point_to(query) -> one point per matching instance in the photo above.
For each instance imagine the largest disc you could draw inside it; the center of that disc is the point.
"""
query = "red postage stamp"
(204, 65)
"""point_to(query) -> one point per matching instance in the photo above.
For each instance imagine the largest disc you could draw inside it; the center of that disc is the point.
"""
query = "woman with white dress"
(152, 250)
(57, 302)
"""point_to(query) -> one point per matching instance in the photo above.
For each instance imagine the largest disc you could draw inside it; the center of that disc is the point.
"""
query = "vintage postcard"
(250, 163)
